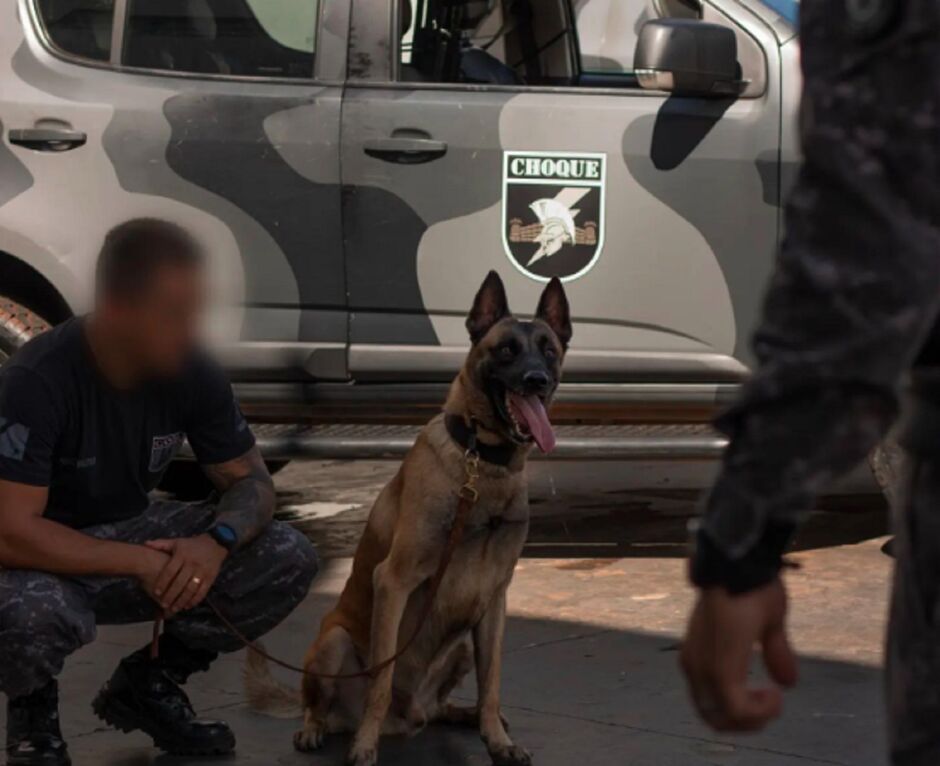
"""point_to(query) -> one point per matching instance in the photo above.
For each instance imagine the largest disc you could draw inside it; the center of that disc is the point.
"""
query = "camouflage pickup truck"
(359, 165)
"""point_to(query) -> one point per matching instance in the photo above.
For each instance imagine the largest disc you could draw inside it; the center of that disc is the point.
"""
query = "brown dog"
(503, 390)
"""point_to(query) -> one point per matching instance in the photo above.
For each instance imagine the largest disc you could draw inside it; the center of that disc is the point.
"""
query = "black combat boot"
(145, 694)
(33, 734)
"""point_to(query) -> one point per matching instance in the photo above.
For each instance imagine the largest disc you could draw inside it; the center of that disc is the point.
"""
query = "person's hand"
(716, 656)
(189, 573)
(150, 563)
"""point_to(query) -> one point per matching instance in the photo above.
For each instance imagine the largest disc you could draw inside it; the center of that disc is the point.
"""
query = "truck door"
(222, 115)
(537, 154)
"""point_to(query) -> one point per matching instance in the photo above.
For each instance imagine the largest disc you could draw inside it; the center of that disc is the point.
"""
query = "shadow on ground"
(573, 692)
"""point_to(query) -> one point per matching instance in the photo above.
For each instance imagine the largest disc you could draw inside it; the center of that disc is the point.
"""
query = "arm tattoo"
(248, 498)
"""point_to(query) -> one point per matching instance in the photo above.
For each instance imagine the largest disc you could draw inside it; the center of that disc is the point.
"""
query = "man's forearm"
(852, 301)
(48, 546)
(248, 498)
(783, 454)
(247, 507)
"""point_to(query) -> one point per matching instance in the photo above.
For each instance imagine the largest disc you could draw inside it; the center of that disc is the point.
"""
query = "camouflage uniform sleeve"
(855, 295)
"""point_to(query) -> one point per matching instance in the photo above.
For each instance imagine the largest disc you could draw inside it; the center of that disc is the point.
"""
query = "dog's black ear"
(489, 307)
(553, 310)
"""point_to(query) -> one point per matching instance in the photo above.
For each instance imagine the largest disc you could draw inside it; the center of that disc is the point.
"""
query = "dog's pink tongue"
(536, 418)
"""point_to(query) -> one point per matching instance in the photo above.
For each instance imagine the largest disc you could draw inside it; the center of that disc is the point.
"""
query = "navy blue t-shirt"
(99, 450)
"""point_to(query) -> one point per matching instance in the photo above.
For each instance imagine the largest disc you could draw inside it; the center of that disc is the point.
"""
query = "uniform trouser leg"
(44, 618)
(913, 652)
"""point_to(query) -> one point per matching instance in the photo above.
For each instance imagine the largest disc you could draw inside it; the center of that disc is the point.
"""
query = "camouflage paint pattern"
(692, 229)
(207, 153)
(45, 618)
(317, 243)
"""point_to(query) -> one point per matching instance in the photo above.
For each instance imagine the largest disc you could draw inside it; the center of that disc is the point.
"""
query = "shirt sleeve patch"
(163, 449)
(13, 439)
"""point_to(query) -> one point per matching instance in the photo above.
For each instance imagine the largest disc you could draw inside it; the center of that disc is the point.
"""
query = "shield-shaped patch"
(553, 212)
(163, 450)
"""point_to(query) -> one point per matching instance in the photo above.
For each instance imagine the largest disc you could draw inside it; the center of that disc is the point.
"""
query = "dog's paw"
(361, 755)
(513, 755)
(310, 737)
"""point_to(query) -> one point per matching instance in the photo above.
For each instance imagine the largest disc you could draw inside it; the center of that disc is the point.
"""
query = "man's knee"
(280, 564)
(43, 619)
(259, 587)
(294, 563)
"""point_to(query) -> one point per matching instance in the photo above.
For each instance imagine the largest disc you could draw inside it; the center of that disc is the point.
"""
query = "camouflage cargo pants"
(913, 654)
(44, 617)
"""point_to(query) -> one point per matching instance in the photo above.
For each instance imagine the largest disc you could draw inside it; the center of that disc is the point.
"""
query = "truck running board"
(378, 442)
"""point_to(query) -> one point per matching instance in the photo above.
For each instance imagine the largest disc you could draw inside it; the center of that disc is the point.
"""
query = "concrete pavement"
(590, 674)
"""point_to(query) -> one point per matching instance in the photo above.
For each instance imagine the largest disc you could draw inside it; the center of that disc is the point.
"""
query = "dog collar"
(466, 436)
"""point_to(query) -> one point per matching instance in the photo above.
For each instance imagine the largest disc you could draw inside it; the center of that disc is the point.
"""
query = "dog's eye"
(549, 353)
(507, 352)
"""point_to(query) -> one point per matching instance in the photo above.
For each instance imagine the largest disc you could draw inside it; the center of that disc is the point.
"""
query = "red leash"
(467, 495)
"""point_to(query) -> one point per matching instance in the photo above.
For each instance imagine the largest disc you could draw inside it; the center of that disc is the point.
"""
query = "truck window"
(527, 42)
(241, 38)
(79, 27)
(607, 34)
(503, 42)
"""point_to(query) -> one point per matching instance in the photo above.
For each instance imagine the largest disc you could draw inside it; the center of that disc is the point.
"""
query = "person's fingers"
(190, 590)
(691, 656)
(705, 701)
(779, 657)
(180, 583)
(165, 578)
(166, 546)
(745, 710)
(199, 596)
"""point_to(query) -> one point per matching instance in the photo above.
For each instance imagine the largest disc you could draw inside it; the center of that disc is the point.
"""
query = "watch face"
(225, 534)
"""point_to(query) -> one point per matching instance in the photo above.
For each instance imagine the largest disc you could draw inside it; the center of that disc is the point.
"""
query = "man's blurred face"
(158, 325)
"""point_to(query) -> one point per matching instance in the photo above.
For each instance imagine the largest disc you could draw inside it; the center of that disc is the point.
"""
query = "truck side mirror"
(688, 57)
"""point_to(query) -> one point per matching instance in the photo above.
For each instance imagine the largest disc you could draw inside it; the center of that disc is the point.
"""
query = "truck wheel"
(185, 480)
(17, 325)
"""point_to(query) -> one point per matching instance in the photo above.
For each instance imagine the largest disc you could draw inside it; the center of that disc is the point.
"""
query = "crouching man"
(91, 414)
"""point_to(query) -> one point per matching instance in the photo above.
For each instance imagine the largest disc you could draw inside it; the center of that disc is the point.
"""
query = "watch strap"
(224, 535)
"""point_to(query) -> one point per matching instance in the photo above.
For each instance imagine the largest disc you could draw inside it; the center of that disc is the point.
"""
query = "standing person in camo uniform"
(852, 308)
(91, 414)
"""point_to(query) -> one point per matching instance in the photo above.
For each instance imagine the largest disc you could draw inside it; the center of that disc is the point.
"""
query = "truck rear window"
(245, 38)
(79, 27)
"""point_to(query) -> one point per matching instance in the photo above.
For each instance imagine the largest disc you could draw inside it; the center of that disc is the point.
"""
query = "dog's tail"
(265, 693)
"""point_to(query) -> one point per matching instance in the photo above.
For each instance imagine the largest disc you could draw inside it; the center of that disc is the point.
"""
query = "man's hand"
(190, 571)
(150, 564)
(716, 656)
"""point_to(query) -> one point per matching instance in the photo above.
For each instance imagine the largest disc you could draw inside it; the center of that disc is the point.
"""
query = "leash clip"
(472, 467)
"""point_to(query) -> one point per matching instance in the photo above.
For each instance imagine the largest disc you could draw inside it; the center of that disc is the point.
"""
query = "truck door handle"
(405, 151)
(48, 139)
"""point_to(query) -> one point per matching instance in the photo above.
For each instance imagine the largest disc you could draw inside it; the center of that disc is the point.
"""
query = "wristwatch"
(225, 536)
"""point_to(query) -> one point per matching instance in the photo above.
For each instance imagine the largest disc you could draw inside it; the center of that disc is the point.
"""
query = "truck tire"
(17, 325)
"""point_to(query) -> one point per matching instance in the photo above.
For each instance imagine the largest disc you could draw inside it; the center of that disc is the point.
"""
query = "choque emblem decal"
(553, 212)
